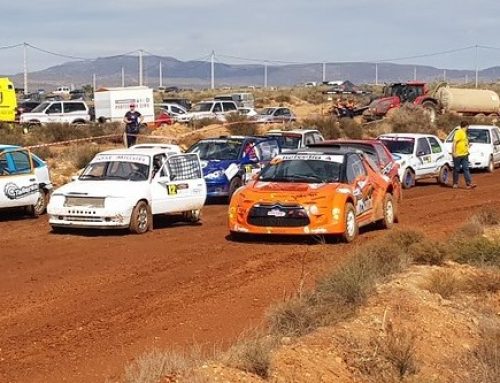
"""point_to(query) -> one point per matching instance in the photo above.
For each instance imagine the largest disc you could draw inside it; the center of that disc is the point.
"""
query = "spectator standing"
(133, 120)
(460, 153)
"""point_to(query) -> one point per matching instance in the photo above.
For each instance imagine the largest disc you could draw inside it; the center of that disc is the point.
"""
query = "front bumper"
(217, 189)
(83, 217)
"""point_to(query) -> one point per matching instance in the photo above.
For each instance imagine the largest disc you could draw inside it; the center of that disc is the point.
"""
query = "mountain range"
(196, 74)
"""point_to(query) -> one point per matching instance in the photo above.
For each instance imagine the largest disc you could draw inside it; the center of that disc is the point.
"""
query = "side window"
(184, 167)
(4, 165)
(435, 145)
(228, 106)
(382, 155)
(451, 135)
(21, 162)
(423, 147)
(54, 108)
(309, 139)
(318, 137)
(158, 162)
(285, 112)
(354, 168)
(278, 112)
(267, 150)
(496, 136)
(217, 108)
(73, 107)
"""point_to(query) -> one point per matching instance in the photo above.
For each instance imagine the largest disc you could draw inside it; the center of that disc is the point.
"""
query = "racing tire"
(40, 206)
(351, 228)
(233, 186)
(141, 219)
(408, 180)
(491, 166)
(444, 175)
(192, 216)
(389, 213)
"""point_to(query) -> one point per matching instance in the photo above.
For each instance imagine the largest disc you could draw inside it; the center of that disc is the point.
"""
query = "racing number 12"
(172, 189)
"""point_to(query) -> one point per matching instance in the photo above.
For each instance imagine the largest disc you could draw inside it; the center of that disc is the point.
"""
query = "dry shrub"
(201, 123)
(405, 238)
(486, 281)
(487, 353)
(159, 367)
(43, 152)
(448, 121)
(281, 98)
(80, 155)
(444, 282)
(252, 355)
(241, 126)
(351, 128)
(11, 135)
(189, 140)
(398, 347)
(410, 119)
(293, 317)
(486, 217)
(328, 126)
(469, 230)
(476, 251)
(428, 252)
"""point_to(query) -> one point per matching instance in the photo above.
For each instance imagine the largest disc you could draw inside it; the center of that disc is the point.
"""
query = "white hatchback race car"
(24, 180)
(124, 188)
(419, 156)
(484, 146)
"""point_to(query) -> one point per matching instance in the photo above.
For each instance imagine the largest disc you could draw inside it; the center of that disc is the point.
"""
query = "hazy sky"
(288, 30)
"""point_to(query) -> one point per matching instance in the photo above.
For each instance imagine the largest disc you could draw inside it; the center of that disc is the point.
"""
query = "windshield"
(115, 170)
(289, 142)
(302, 170)
(40, 108)
(478, 136)
(399, 145)
(217, 149)
(202, 107)
(267, 111)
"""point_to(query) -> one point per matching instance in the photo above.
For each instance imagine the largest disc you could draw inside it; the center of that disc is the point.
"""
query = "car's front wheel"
(408, 180)
(491, 166)
(192, 216)
(141, 219)
(389, 212)
(444, 175)
(350, 223)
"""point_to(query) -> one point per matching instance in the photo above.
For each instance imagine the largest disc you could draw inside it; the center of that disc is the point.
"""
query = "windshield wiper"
(308, 178)
(89, 176)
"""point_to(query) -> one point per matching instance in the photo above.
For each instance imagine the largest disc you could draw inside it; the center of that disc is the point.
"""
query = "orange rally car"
(314, 191)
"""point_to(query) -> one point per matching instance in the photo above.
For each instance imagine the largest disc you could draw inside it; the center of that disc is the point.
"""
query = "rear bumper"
(217, 189)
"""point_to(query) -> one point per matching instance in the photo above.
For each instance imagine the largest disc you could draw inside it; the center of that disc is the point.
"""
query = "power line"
(58, 54)
(11, 46)
(424, 55)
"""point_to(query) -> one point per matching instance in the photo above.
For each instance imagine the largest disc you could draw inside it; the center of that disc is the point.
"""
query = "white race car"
(484, 146)
(419, 156)
(124, 188)
(24, 180)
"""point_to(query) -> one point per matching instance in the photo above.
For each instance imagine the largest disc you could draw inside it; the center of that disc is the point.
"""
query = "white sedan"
(124, 188)
(419, 156)
(484, 146)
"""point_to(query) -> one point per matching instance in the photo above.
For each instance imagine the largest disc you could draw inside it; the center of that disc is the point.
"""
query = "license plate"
(276, 213)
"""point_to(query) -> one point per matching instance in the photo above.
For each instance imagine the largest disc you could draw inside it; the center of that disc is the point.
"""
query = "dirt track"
(77, 307)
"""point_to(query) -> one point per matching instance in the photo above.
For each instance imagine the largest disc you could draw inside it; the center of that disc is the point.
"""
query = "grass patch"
(487, 353)
(410, 119)
(478, 251)
(252, 355)
(201, 123)
(328, 126)
(398, 347)
(80, 155)
(444, 282)
(241, 126)
(428, 252)
(351, 128)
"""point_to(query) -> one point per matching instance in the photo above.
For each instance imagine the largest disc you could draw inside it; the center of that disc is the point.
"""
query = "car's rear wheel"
(444, 174)
(192, 216)
(389, 212)
(40, 206)
(141, 219)
(408, 180)
(350, 224)
(491, 166)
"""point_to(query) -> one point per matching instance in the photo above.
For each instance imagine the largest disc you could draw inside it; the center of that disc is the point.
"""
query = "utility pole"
(161, 76)
(212, 70)
(140, 67)
(444, 74)
(324, 72)
(466, 78)
(414, 73)
(123, 77)
(477, 68)
(94, 82)
(376, 73)
(25, 68)
(265, 75)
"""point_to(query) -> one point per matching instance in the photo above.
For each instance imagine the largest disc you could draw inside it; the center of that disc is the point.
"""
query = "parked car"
(296, 139)
(175, 111)
(24, 180)
(218, 110)
(72, 112)
(167, 148)
(184, 102)
(163, 119)
(124, 188)
(247, 112)
(313, 192)
(419, 156)
(377, 152)
(275, 114)
(242, 100)
(484, 146)
(77, 94)
(229, 162)
(62, 90)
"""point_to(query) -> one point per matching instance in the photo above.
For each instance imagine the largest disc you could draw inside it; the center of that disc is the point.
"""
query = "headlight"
(215, 174)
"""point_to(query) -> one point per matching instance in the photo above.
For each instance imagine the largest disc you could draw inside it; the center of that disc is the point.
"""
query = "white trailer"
(111, 104)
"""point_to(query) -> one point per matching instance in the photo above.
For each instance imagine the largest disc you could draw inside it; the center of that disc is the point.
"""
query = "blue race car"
(230, 161)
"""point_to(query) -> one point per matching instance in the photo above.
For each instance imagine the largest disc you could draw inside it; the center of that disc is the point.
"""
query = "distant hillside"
(197, 73)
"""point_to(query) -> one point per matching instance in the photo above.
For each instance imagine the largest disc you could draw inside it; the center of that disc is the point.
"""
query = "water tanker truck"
(443, 99)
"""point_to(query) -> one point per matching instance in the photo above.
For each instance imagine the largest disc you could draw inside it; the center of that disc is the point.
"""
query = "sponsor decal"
(137, 158)
(13, 192)
(312, 157)
(276, 213)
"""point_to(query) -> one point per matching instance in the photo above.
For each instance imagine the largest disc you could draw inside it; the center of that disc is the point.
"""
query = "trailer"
(111, 104)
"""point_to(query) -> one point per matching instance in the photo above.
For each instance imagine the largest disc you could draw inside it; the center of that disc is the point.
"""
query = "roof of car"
(294, 131)
(146, 152)
(339, 151)
(406, 135)
(482, 127)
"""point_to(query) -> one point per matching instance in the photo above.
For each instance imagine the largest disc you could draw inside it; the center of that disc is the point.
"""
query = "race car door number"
(172, 189)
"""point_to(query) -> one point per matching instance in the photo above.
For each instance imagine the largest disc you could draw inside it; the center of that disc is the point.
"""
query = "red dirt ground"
(77, 307)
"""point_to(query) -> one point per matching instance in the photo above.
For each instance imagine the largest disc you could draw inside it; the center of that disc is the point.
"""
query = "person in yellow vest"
(460, 153)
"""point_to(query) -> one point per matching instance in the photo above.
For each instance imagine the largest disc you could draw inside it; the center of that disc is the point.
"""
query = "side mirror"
(497, 142)
(420, 154)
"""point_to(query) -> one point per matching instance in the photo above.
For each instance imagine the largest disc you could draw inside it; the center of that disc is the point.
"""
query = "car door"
(18, 183)
(438, 156)
(423, 163)
(495, 132)
(179, 185)
(357, 177)
(54, 112)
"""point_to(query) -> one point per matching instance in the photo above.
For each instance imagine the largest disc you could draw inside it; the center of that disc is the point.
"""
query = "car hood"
(290, 191)
(117, 189)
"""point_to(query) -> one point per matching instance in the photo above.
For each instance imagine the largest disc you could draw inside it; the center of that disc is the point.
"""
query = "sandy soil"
(76, 307)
